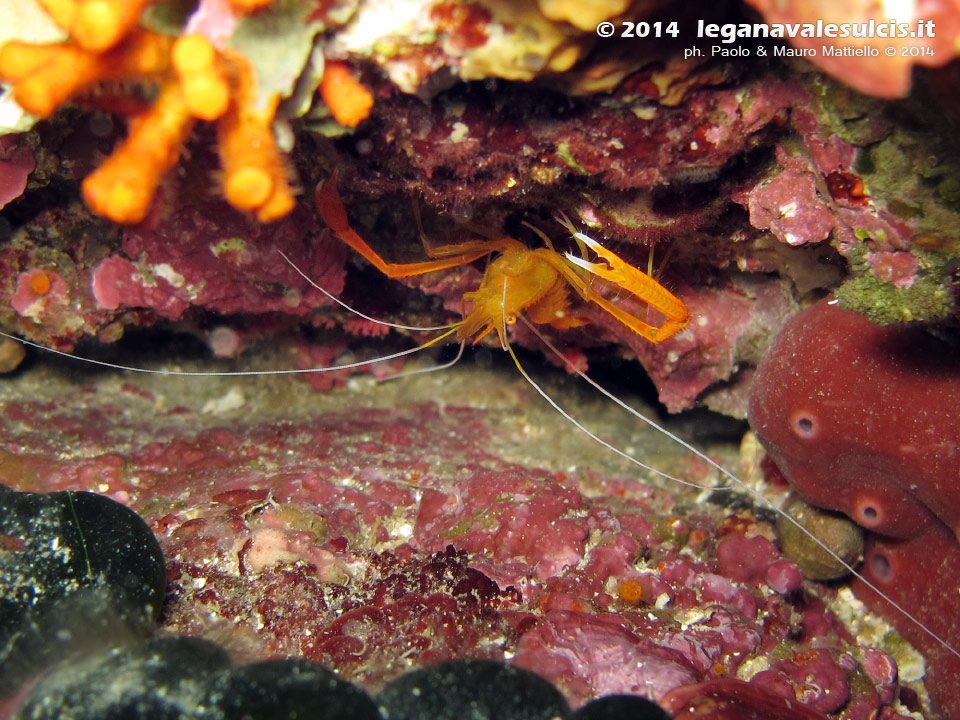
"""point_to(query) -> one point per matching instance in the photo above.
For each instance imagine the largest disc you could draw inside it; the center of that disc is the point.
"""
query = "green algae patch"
(929, 298)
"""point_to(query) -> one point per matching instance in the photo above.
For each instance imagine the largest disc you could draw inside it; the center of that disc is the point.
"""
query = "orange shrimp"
(520, 279)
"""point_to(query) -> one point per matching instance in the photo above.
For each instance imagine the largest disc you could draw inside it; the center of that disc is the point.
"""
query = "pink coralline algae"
(16, 164)
(810, 198)
(220, 261)
(824, 406)
(732, 699)
(896, 268)
(382, 540)
(39, 294)
(802, 219)
(513, 149)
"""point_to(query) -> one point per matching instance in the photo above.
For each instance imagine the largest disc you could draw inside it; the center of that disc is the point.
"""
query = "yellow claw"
(618, 271)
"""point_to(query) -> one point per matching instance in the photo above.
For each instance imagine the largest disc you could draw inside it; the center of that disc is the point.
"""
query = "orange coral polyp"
(45, 79)
(255, 175)
(248, 188)
(202, 79)
(349, 101)
(40, 283)
(142, 53)
(196, 81)
(101, 24)
(254, 171)
(45, 76)
(193, 53)
(280, 203)
(123, 187)
(630, 591)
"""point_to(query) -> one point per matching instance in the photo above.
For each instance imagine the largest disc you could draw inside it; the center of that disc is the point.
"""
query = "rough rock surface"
(376, 532)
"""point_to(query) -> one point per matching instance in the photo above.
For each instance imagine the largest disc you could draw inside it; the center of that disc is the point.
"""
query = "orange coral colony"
(255, 176)
(196, 82)
(349, 101)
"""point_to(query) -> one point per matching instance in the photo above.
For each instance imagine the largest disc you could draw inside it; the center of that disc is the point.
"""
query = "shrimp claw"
(622, 274)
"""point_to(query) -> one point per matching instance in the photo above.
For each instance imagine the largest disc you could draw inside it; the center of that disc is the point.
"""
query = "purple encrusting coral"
(376, 540)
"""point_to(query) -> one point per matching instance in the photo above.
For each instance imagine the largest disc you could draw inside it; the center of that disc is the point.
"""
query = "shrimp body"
(518, 280)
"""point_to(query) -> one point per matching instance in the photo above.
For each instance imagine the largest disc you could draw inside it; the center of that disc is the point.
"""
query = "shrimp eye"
(511, 319)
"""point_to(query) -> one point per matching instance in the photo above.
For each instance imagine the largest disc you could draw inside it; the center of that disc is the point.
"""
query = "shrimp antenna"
(356, 312)
(432, 368)
(231, 373)
(580, 426)
(755, 494)
(449, 328)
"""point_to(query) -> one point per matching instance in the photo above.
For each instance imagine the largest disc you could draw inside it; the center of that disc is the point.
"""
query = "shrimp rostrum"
(519, 279)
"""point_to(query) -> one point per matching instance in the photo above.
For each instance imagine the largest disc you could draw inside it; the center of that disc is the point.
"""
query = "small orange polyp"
(40, 283)
(255, 175)
(122, 188)
(101, 24)
(349, 101)
(248, 188)
(630, 591)
(202, 79)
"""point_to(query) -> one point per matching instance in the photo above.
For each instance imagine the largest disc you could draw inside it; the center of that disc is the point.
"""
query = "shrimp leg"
(447, 256)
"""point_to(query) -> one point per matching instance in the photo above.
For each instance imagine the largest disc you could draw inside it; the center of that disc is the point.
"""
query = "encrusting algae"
(196, 81)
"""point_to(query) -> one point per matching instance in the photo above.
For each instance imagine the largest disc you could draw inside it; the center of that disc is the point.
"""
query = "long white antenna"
(733, 478)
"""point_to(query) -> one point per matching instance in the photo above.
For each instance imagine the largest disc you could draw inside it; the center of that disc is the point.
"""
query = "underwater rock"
(490, 690)
(74, 567)
(732, 699)
(325, 537)
(837, 531)
(16, 164)
(215, 258)
(11, 355)
(160, 679)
